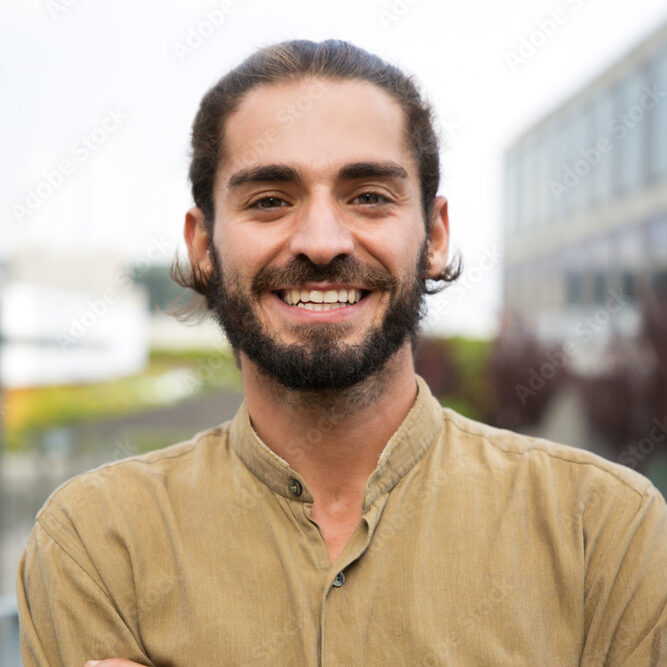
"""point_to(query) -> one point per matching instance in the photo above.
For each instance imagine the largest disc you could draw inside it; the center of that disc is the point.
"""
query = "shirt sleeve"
(626, 592)
(66, 615)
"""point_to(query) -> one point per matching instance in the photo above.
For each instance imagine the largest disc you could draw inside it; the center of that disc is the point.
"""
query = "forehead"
(317, 124)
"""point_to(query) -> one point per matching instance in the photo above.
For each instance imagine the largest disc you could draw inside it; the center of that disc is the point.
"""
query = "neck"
(332, 439)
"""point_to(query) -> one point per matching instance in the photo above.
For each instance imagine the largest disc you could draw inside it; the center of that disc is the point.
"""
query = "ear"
(438, 238)
(198, 240)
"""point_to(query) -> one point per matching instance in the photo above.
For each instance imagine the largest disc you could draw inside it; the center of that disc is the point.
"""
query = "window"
(629, 286)
(587, 155)
(511, 195)
(542, 191)
(657, 80)
(599, 287)
(579, 166)
(602, 153)
(520, 217)
(557, 188)
(657, 240)
(568, 177)
(549, 175)
(528, 187)
(573, 288)
(660, 282)
(628, 129)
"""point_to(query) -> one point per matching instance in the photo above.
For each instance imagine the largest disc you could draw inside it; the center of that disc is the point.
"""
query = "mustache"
(342, 269)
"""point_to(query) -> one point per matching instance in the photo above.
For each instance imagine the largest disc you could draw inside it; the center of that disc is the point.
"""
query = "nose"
(321, 233)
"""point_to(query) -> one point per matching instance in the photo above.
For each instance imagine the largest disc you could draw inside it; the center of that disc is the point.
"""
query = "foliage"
(163, 292)
(524, 375)
(454, 369)
(169, 376)
(627, 400)
(484, 379)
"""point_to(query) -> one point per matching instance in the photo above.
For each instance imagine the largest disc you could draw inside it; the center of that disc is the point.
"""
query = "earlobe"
(438, 238)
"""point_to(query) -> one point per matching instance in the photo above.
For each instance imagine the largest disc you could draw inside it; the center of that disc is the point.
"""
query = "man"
(342, 517)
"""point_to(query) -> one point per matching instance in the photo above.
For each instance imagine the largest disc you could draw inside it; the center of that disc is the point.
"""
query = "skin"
(321, 215)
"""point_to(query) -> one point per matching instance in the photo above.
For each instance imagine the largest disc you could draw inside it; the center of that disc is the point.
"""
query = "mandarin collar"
(403, 450)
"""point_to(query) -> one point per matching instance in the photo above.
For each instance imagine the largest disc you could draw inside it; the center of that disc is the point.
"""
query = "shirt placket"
(338, 581)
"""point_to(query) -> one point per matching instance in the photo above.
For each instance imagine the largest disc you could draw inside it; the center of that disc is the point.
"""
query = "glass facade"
(581, 167)
(627, 133)
(657, 92)
(607, 147)
(603, 118)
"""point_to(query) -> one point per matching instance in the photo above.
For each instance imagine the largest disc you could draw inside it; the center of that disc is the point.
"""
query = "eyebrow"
(280, 173)
(357, 170)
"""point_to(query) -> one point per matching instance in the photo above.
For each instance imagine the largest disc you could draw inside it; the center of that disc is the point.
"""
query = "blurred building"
(585, 221)
(166, 297)
(70, 318)
(85, 316)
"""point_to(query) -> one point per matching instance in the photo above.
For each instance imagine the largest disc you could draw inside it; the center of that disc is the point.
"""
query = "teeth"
(316, 296)
(331, 296)
(328, 298)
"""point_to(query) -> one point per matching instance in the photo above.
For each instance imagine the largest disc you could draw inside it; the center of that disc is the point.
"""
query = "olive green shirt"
(477, 546)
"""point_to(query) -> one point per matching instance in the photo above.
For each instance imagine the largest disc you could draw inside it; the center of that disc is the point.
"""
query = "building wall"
(586, 200)
(60, 328)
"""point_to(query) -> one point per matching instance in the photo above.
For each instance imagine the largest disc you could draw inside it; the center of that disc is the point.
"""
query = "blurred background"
(553, 119)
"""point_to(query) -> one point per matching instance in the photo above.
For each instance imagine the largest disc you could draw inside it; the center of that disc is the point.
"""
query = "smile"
(321, 300)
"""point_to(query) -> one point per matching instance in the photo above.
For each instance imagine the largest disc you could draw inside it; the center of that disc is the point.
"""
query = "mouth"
(322, 299)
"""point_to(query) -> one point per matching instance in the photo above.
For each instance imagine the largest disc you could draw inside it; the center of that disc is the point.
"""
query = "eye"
(268, 202)
(371, 199)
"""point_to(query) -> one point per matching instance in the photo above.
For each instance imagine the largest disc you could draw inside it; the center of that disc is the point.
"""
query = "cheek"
(400, 256)
(396, 242)
(245, 251)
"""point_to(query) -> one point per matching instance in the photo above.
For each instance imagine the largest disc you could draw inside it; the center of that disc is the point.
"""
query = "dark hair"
(297, 60)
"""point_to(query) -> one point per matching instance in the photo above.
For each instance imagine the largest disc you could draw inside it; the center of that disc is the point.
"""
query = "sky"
(98, 100)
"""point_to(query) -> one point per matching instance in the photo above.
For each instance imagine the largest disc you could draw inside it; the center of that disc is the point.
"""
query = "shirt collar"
(404, 449)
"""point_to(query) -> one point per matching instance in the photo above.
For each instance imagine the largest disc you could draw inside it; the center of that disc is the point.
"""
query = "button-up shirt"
(476, 546)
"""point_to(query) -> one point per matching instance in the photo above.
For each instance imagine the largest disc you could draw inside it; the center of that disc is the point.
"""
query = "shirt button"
(339, 580)
(295, 487)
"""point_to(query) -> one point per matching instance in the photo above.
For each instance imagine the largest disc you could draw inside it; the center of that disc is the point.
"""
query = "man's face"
(319, 242)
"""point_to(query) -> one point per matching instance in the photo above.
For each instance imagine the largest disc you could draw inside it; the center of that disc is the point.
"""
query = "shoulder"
(132, 481)
(543, 461)
(608, 509)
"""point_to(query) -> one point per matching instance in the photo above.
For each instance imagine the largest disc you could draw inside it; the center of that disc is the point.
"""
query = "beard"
(321, 361)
